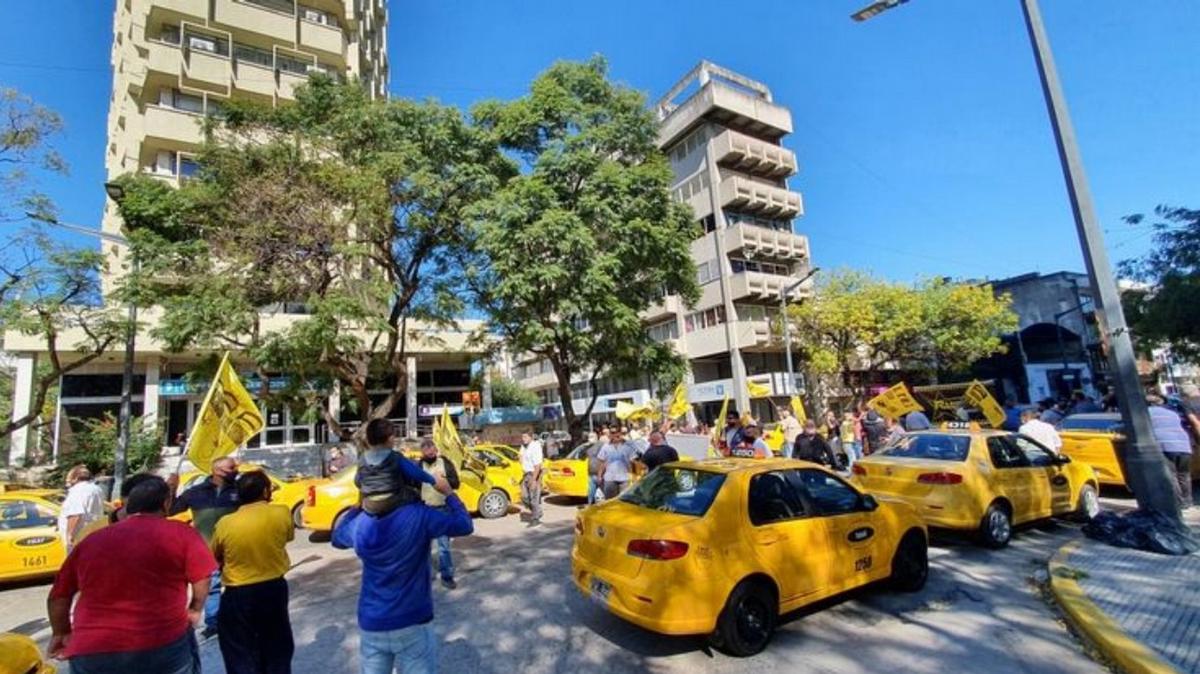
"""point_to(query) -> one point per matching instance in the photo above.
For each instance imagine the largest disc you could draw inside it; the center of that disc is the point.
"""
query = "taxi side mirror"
(868, 503)
(1062, 459)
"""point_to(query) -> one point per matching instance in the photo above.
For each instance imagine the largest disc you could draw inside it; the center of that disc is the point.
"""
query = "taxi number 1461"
(862, 563)
(29, 562)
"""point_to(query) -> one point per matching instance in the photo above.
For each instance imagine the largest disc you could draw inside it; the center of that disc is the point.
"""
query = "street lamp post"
(125, 411)
(787, 326)
(1146, 471)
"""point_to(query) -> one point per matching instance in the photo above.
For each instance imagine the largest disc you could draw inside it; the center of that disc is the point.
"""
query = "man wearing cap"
(751, 446)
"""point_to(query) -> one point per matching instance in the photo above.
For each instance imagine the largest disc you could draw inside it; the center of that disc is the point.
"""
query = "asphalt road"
(516, 611)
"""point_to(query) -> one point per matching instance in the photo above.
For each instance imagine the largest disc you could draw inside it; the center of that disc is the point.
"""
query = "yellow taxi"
(568, 476)
(1091, 439)
(501, 471)
(29, 543)
(326, 503)
(980, 480)
(725, 546)
(291, 493)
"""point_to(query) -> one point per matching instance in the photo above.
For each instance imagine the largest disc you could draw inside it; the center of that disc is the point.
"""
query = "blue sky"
(922, 135)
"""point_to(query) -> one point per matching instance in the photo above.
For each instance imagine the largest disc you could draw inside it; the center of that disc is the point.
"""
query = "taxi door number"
(862, 563)
(30, 562)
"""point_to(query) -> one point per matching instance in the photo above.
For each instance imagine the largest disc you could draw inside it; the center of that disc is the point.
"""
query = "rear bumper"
(657, 615)
(566, 486)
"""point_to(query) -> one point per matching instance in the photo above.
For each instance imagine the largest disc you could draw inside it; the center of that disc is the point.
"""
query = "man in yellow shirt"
(250, 544)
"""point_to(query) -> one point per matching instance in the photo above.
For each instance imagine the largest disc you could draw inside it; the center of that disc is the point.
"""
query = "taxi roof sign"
(960, 426)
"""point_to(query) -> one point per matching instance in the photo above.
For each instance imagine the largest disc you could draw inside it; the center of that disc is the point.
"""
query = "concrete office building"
(175, 61)
(722, 133)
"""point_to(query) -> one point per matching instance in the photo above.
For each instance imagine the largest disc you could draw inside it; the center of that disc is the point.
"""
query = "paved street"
(515, 611)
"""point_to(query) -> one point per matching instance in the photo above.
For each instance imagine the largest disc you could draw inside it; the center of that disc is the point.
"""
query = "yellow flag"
(758, 390)
(719, 428)
(450, 444)
(978, 395)
(798, 409)
(679, 402)
(894, 402)
(630, 412)
(228, 418)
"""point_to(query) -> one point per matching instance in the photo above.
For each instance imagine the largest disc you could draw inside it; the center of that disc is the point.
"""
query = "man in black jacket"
(874, 432)
(812, 447)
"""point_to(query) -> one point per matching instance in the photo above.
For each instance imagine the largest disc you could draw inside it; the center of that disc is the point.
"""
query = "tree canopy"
(1164, 311)
(856, 322)
(320, 239)
(587, 237)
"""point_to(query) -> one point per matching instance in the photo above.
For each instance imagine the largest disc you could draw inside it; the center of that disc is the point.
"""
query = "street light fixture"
(787, 326)
(115, 191)
(125, 413)
(1145, 469)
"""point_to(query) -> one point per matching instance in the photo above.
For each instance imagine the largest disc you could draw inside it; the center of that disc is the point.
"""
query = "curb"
(1129, 654)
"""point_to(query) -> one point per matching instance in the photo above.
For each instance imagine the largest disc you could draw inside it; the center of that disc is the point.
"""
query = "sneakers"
(449, 584)
(208, 633)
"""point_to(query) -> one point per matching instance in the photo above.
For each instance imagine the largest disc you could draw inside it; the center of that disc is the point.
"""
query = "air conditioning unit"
(202, 44)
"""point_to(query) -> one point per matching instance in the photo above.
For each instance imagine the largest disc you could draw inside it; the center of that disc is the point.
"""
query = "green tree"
(48, 291)
(508, 393)
(1163, 312)
(320, 239)
(856, 322)
(588, 236)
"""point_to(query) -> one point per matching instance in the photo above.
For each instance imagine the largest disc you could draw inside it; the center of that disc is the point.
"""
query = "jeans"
(212, 605)
(445, 561)
(412, 650)
(853, 454)
(1181, 470)
(593, 487)
(181, 656)
(613, 489)
(531, 494)
(255, 630)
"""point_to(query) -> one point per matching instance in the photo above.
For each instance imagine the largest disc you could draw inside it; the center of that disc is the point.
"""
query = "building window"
(704, 319)
(169, 34)
(172, 164)
(253, 55)
(734, 218)
(284, 6)
(739, 265)
(661, 332)
(175, 99)
(295, 66)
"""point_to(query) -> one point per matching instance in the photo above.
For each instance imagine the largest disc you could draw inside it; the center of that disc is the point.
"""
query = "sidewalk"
(1140, 609)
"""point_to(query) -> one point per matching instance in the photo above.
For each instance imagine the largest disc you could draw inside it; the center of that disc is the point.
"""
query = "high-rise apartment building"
(722, 132)
(175, 61)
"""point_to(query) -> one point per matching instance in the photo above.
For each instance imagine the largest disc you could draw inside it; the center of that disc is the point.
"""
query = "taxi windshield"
(676, 490)
(937, 446)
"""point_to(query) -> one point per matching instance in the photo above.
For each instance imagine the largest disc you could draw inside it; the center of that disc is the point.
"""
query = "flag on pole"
(679, 402)
(629, 412)
(894, 402)
(719, 428)
(978, 395)
(798, 409)
(447, 440)
(228, 418)
(758, 390)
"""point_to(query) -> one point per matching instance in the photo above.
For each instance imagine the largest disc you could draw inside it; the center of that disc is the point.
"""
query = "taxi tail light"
(858, 469)
(311, 498)
(940, 478)
(657, 549)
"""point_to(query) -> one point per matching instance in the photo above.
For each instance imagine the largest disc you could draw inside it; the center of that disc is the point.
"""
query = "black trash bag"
(1143, 530)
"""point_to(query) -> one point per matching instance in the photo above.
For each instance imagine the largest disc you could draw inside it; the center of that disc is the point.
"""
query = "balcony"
(288, 81)
(763, 242)
(163, 57)
(329, 39)
(664, 308)
(730, 107)
(261, 16)
(254, 78)
(758, 286)
(197, 9)
(175, 126)
(750, 155)
(752, 334)
(742, 194)
(207, 70)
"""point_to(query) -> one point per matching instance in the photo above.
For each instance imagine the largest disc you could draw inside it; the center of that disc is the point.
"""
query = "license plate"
(600, 591)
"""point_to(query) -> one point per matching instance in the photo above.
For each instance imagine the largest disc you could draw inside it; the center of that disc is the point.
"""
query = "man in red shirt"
(131, 582)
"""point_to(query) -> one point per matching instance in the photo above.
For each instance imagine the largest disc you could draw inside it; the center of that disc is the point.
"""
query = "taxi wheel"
(996, 529)
(297, 516)
(493, 504)
(1089, 504)
(747, 622)
(910, 565)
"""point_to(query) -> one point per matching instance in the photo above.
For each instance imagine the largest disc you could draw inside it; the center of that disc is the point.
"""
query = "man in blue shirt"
(1176, 447)
(395, 603)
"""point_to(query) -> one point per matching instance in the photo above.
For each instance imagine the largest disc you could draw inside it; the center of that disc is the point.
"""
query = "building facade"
(175, 62)
(1057, 348)
(722, 133)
